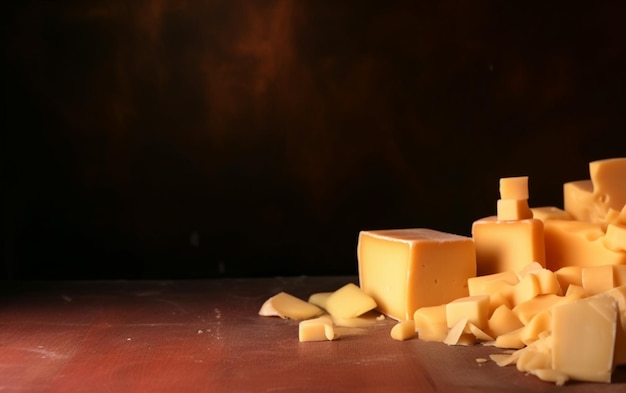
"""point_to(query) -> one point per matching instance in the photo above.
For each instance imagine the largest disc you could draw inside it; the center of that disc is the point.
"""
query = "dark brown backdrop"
(168, 138)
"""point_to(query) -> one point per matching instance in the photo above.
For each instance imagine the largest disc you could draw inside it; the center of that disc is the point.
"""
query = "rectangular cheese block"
(507, 245)
(405, 269)
(584, 338)
(577, 243)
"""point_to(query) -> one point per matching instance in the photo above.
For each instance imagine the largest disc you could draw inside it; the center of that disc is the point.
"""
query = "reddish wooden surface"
(206, 336)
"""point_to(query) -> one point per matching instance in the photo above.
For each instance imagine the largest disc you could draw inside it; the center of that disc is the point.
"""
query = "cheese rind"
(405, 269)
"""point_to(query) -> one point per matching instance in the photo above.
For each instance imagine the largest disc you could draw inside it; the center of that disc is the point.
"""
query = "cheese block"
(514, 188)
(513, 209)
(550, 213)
(584, 338)
(405, 269)
(578, 201)
(577, 243)
(507, 245)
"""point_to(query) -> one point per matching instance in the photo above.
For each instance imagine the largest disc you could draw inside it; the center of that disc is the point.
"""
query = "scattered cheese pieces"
(285, 306)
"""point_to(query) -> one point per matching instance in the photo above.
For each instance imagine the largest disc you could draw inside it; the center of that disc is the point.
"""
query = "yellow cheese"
(511, 339)
(319, 299)
(619, 274)
(513, 209)
(569, 275)
(539, 323)
(578, 201)
(615, 237)
(514, 187)
(318, 329)
(530, 268)
(457, 336)
(490, 283)
(430, 322)
(502, 321)
(533, 360)
(526, 289)
(577, 243)
(364, 320)
(527, 310)
(349, 301)
(597, 279)
(405, 269)
(507, 245)
(550, 213)
(285, 306)
(479, 333)
(609, 186)
(550, 375)
(575, 290)
(584, 338)
(619, 294)
(403, 330)
(475, 309)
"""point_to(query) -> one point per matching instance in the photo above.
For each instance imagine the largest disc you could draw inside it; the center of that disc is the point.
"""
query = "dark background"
(190, 139)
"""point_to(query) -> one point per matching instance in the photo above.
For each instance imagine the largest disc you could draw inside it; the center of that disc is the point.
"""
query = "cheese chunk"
(474, 309)
(405, 269)
(609, 186)
(569, 275)
(483, 285)
(526, 289)
(619, 294)
(285, 306)
(430, 323)
(578, 201)
(615, 237)
(319, 299)
(527, 310)
(507, 245)
(550, 213)
(318, 329)
(511, 339)
(349, 301)
(577, 243)
(584, 338)
(457, 336)
(597, 279)
(513, 209)
(514, 187)
(403, 330)
(540, 323)
(502, 321)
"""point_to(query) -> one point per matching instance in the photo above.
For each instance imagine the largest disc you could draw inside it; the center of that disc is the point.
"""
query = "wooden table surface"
(206, 336)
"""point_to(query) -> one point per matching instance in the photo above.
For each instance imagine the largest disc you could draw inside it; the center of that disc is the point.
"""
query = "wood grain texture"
(206, 336)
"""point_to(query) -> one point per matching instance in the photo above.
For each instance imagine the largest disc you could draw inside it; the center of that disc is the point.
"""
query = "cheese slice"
(507, 245)
(286, 306)
(584, 338)
(619, 294)
(405, 269)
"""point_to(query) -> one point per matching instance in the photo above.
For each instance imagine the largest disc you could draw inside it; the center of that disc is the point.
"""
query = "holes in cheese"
(405, 269)
(584, 338)
(318, 329)
(285, 306)
(349, 301)
(403, 330)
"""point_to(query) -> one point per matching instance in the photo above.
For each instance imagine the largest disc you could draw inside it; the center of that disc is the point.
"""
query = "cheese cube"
(507, 245)
(550, 213)
(513, 209)
(615, 237)
(405, 269)
(584, 338)
(526, 289)
(539, 323)
(318, 329)
(548, 282)
(597, 279)
(475, 309)
(484, 285)
(349, 301)
(514, 187)
(430, 322)
(577, 243)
